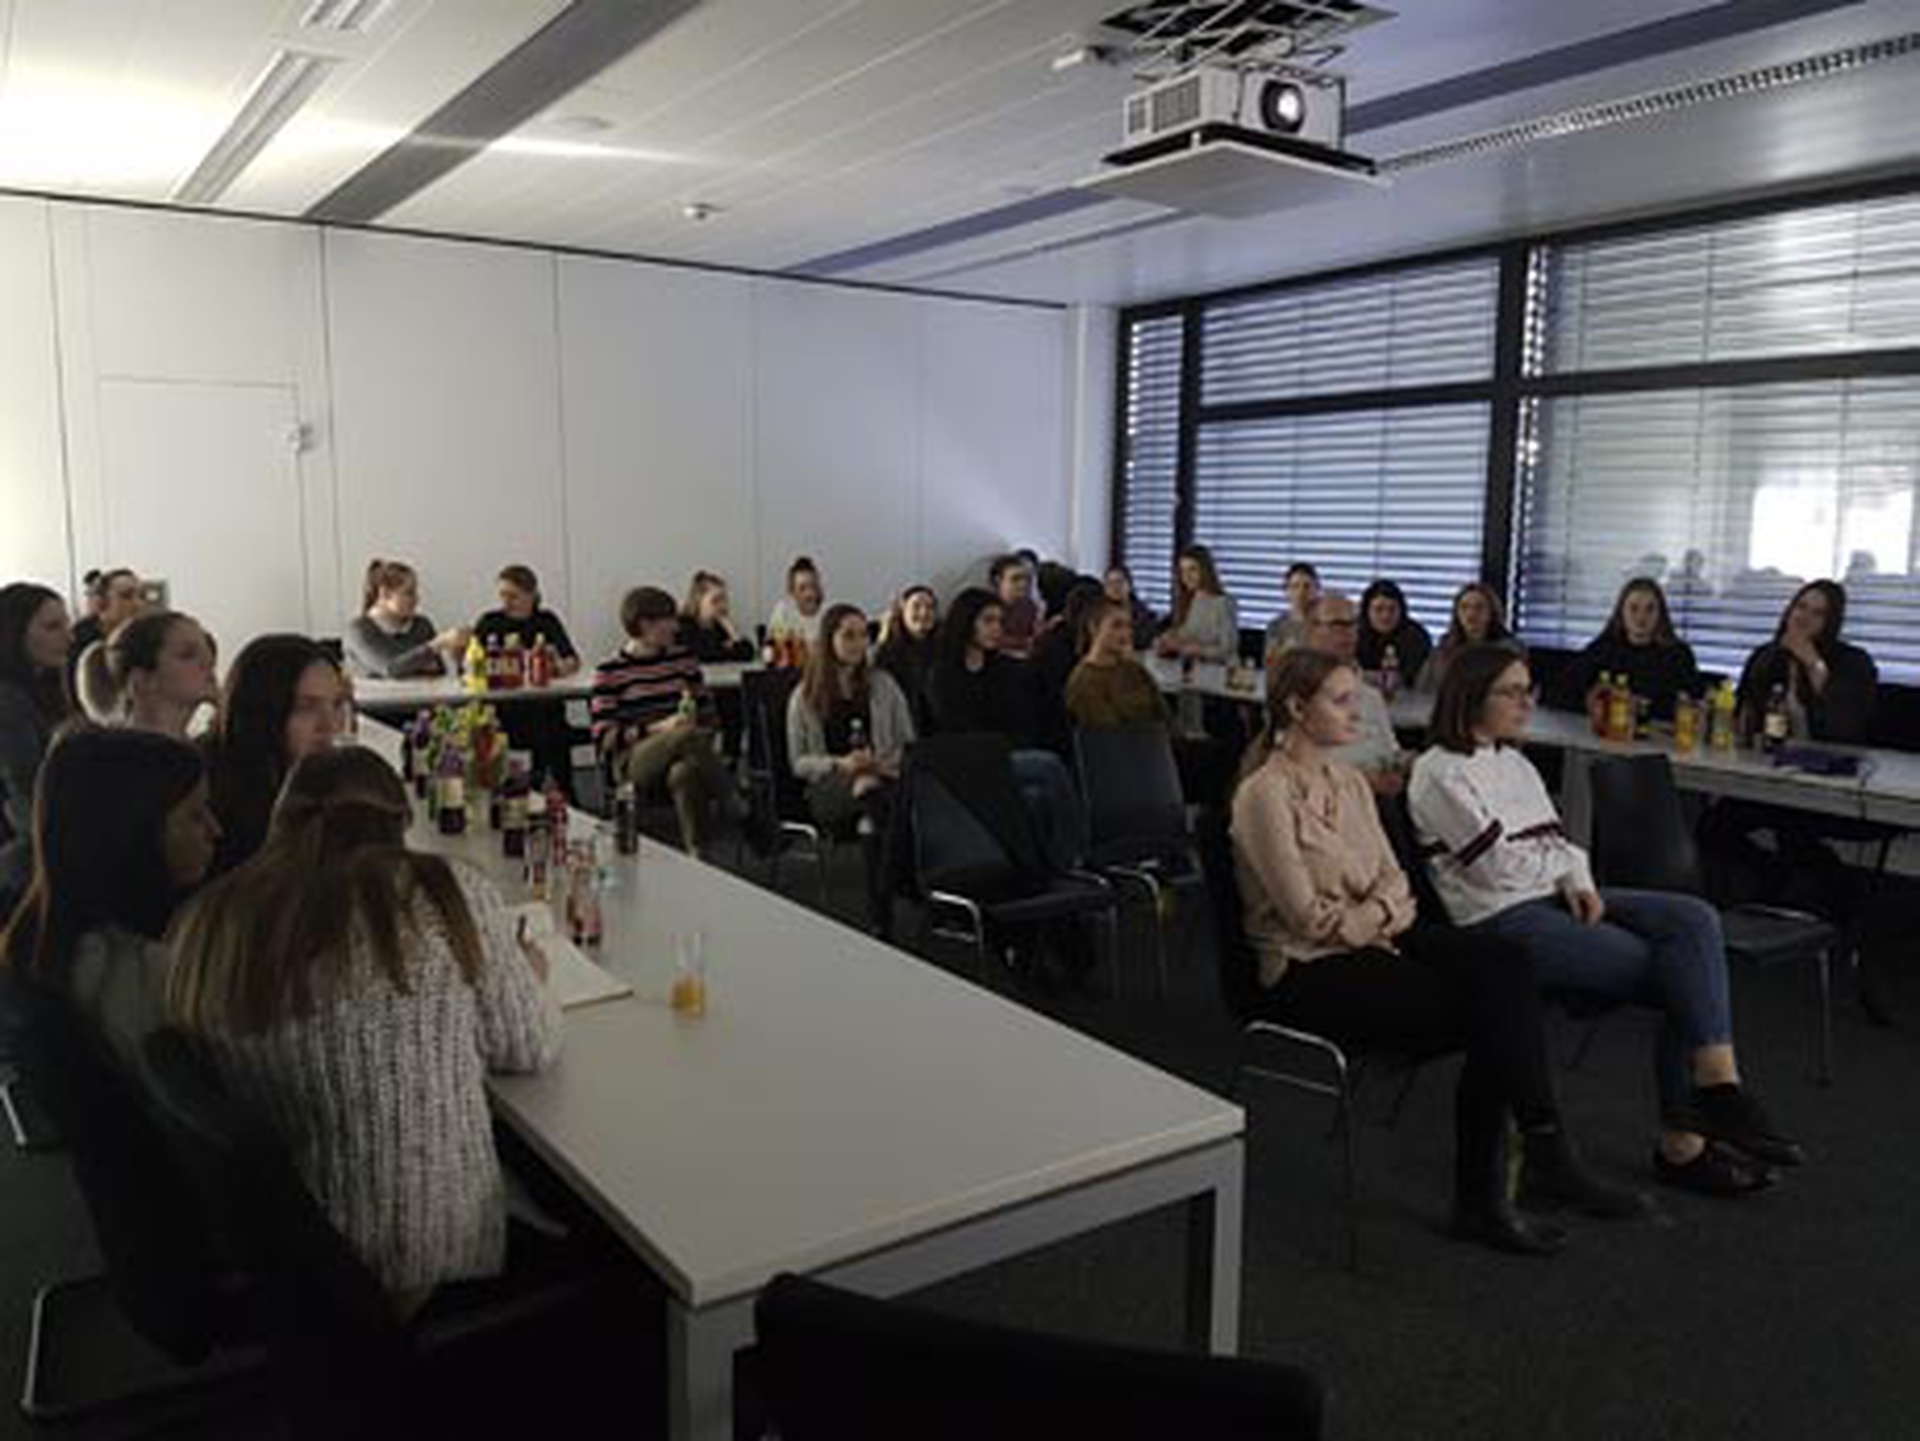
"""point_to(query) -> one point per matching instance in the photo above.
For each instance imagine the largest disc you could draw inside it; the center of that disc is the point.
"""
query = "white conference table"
(1886, 789)
(429, 692)
(844, 1110)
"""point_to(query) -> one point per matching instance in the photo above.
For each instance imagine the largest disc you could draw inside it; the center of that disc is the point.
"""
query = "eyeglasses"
(1347, 624)
(1515, 692)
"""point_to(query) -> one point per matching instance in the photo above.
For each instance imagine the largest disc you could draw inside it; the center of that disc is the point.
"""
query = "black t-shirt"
(543, 624)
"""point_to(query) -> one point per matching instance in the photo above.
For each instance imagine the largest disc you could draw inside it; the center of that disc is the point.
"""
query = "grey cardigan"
(379, 654)
(887, 707)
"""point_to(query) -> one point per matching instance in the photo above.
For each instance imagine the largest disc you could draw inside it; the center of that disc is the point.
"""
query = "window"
(1343, 423)
(1363, 494)
(1732, 498)
(1730, 488)
(1150, 448)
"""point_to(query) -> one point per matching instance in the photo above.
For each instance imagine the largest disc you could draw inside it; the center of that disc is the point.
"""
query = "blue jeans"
(1052, 800)
(1654, 948)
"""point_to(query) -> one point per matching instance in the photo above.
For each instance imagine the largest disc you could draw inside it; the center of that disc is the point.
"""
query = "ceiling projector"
(1231, 140)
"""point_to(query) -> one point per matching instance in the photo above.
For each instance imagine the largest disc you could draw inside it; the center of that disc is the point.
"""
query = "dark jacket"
(1411, 646)
(997, 699)
(1662, 673)
(910, 662)
(25, 733)
(1842, 713)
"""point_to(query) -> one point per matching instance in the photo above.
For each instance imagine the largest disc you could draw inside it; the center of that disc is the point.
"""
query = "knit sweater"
(1491, 831)
(1213, 624)
(379, 1096)
(888, 718)
(1113, 697)
(377, 653)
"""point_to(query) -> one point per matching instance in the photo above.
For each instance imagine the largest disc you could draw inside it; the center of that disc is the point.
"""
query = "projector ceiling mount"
(1297, 39)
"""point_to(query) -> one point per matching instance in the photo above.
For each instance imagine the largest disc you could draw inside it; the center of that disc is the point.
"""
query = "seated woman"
(1639, 642)
(653, 719)
(523, 621)
(977, 689)
(1331, 917)
(390, 639)
(795, 622)
(706, 622)
(158, 670)
(908, 645)
(848, 728)
(122, 833)
(1117, 582)
(356, 993)
(1205, 624)
(1387, 625)
(35, 637)
(1477, 619)
(1291, 628)
(1013, 580)
(283, 701)
(113, 597)
(1110, 689)
(1829, 687)
(1504, 867)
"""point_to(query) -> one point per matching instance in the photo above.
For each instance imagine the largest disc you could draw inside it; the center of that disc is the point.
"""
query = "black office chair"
(1263, 1041)
(161, 1280)
(1641, 840)
(835, 1366)
(978, 870)
(1137, 820)
(340, 1361)
(778, 817)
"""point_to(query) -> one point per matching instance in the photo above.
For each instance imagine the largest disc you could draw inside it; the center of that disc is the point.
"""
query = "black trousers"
(836, 807)
(1737, 865)
(1443, 990)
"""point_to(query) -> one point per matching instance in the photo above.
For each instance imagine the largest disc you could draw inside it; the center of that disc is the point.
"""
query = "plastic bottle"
(513, 664)
(474, 668)
(856, 734)
(1600, 704)
(556, 810)
(1720, 727)
(584, 919)
(513, 811)
(626, 819)
(689, 702)
(1620, 710)
(539, 859)
(1686, 725)
(540, 664)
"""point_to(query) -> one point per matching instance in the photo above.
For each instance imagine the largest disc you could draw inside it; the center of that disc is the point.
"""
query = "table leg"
(700, 1350)
(1213, 1259)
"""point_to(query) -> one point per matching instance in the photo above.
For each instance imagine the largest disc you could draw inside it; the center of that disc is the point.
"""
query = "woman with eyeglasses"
(1503, 866)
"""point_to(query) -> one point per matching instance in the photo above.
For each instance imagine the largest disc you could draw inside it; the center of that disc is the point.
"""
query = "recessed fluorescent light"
(354, 17)
(288, 82)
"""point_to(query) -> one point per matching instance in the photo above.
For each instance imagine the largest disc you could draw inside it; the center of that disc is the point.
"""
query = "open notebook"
(574, 979)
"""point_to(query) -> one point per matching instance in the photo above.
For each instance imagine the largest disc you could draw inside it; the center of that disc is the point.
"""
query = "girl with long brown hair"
(356, 993)
(1205, 624)
(848, 728)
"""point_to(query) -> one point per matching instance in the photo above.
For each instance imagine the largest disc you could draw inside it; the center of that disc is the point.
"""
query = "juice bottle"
(513, 664)
(626, 819)
(1389, 674)
(513, 811)
(452, 799)
(584, 920)
(1620, 710)
(1720, 727)
(474, 669)
(1600, 705)
(1777, 727)
(1686, 725)
(540, 664)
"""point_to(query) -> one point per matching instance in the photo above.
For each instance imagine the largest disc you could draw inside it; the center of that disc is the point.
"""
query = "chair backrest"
(1131, 785)
(764, 696)
(841, 1367)
(1239, 966)
(143, 1210)
(969, 827)
(1396, 819)
(1640, 834)
(323, 1307)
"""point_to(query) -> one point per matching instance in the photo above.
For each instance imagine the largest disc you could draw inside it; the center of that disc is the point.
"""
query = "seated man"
(653, 719)
(1333, 626)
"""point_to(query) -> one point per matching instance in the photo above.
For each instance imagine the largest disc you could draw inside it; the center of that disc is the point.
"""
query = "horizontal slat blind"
(1732, 497)
(1362, 494)
(1832, 279)
(1382, 332)
(1152, 443)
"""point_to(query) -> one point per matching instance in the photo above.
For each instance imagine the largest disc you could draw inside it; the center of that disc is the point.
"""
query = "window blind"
(1151, 443)
(1824, 280)
(1390, 331)
(1362, 494)
(1731, 497)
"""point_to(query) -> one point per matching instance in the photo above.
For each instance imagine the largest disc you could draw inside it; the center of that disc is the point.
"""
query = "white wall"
(254, 409)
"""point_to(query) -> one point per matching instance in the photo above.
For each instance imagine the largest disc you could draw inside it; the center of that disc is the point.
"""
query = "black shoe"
(1501, 1229)
(1733, 1114)
(1718, 1171)
(1554, 1175)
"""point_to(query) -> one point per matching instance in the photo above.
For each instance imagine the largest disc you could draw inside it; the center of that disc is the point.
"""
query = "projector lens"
(1283, 107)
